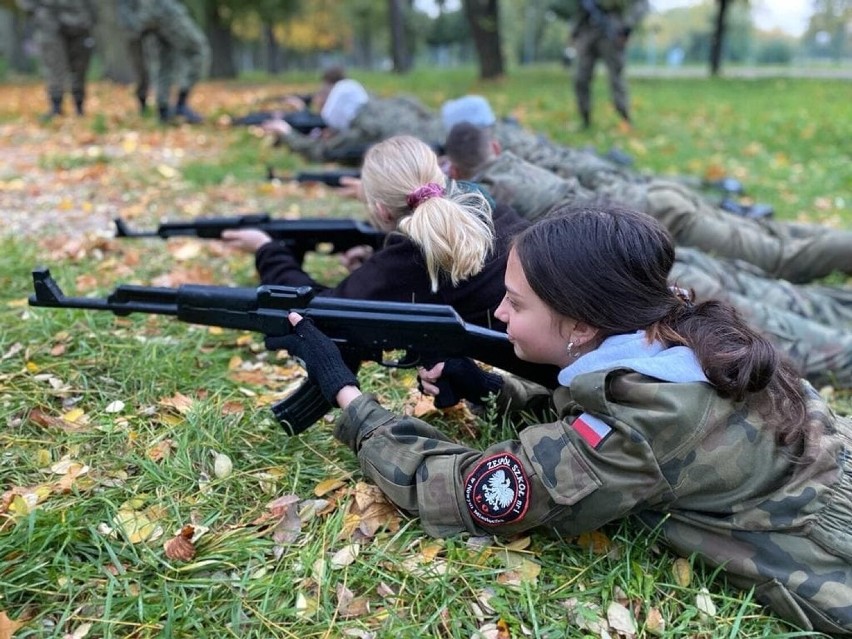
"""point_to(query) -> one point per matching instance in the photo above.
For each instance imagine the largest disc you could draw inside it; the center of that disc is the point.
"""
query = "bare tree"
(718, 39)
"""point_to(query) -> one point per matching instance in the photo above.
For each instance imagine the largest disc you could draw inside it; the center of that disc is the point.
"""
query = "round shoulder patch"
(497, 490)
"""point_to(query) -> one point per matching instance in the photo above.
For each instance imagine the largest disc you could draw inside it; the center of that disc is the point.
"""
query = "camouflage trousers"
(592, 45)
(178, 48)
(65, 55)
(812, 325)
(794, 252)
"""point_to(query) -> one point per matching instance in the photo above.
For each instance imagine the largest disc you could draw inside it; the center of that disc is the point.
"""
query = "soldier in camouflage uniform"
(794, 252)
(811, 324)
(673, 412)
(602, 30)
(181, 49)
(64, 37)
(356, 121)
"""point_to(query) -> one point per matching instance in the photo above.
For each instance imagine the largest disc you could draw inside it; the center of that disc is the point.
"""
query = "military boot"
(55, 109)
(164, 113)
(182, 109)
(79, 99)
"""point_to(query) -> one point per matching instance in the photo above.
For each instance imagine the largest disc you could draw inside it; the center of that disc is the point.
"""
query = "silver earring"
(569, 348)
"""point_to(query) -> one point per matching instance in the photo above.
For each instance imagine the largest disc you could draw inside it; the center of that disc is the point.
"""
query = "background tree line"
(279, 35)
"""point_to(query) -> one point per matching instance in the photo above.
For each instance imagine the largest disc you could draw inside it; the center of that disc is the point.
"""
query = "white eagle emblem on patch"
(497, 490)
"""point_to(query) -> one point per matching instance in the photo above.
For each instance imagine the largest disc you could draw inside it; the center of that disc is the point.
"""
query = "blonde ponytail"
(454, 229)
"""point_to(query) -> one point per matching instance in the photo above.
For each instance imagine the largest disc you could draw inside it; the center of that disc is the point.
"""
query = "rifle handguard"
(302, 409)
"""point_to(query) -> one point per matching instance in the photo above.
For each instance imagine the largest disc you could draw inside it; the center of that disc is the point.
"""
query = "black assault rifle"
(332, 177)
(362, 330)
(299, 235)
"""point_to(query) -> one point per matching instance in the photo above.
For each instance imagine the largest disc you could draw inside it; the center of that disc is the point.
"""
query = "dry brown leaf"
(41, 418)
(161, 450)
(232, 408)
(8, 627)
(345, 556)
(682, 572)
(179, 402)
(429, 551)
(328, 485)
(280, 506)
(180, 548)
(654, 622)
(595, 541)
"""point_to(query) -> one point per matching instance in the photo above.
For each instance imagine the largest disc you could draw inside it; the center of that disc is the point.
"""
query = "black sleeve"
(395, 273)
(277, 264)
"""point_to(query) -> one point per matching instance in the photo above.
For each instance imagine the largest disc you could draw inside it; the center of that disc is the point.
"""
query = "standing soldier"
(64, 36)
(178, 43)
(602, 30)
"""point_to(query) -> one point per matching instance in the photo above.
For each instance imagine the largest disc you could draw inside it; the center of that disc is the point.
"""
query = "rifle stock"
(300, 235)
(362, 329)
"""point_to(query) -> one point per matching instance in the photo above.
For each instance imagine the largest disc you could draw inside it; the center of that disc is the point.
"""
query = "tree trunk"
(221, 44)
(273, 51)
(400, 52)
(483, 18)
(718, 38)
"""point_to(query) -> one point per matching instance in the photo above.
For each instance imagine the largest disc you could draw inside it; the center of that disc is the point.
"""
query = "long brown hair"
(608, 267)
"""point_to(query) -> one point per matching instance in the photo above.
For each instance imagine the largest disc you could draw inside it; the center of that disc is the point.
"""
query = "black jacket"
(397, 273)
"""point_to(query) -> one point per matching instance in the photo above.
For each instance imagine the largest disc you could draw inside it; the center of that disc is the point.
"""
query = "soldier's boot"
(55, 109)
(164, 113)
(79, 99)
(183, 110)
(142, 99)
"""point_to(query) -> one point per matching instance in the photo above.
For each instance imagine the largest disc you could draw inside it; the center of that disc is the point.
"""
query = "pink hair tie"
(423, 193)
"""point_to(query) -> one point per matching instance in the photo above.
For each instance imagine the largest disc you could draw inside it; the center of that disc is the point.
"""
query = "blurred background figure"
(63, 33)
(174, 44)
(602, 30)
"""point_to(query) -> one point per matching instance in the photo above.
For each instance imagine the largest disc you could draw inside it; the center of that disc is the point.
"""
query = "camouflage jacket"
(72, 14)
(527, 188)
(704, 469)
(377, 120)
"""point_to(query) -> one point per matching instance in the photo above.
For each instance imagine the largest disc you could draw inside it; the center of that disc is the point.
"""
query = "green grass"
(60, 565)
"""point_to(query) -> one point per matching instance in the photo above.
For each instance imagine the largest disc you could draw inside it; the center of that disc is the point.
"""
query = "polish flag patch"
(593, 430)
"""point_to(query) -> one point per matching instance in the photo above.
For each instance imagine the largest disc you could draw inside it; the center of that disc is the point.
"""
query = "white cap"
(343, 102)
(469, 108)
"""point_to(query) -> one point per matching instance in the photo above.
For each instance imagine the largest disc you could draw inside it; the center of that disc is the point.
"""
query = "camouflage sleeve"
(303, 145)
(546, 477)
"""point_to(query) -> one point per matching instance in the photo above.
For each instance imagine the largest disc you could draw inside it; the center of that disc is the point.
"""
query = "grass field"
(146, 490)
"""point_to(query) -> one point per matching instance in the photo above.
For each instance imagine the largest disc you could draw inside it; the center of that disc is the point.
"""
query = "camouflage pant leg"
(613, 57)
(693, 221)
(714, 278)
(822, 353)
(586, 46)
(187, 47)
(53, 53)
(79, 49)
